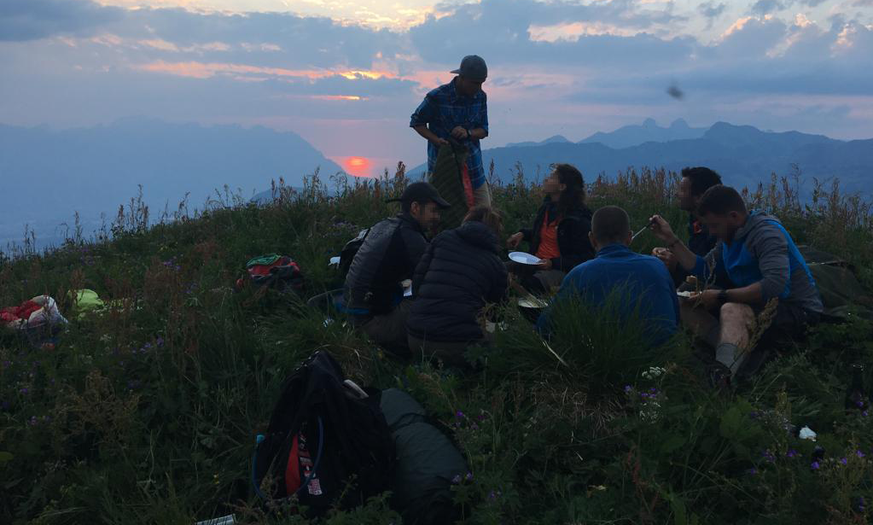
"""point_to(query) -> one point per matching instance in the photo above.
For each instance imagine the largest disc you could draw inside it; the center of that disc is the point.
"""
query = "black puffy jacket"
(388, 255)
(573, 242)
(458, 274)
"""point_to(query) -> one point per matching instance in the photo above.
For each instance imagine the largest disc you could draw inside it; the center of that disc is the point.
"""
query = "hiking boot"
(719, 376)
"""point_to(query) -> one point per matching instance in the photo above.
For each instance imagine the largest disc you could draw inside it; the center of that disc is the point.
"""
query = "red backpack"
(273, 270)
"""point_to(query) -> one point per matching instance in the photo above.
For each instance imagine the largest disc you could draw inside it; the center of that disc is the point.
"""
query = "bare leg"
(736, 322)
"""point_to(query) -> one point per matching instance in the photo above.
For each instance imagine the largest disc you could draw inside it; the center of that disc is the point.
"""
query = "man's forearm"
(685, 257)
(751, 294)
(426, 133)
(478, 133)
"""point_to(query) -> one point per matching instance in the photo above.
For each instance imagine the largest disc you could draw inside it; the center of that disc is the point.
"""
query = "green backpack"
(839, 288)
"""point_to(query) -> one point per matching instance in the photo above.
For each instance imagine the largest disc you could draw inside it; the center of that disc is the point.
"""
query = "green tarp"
(446, 177)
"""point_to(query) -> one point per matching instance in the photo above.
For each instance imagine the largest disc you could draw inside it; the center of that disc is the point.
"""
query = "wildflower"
(768, 456)
(815, 465)
(861, 504)
(844, 461)
(456, 479)
(459, 415)
(791, 453)
(627, 389)
(752, 471)
(469, 476)
(24, 390)
(860, 454)
(159, 342)
(493, 495)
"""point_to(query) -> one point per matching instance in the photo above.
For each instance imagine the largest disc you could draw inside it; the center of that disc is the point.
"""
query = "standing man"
(457, 111)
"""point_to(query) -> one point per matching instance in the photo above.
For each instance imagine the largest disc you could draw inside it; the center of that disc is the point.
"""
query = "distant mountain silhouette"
(744, 156)
(48, 175)
(628, 136)
(557, 139)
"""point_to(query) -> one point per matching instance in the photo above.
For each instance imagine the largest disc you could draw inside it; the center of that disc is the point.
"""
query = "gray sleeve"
(770, 248)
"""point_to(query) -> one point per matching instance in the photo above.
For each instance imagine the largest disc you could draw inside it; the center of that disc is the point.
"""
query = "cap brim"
(455, 72)
(442, 203)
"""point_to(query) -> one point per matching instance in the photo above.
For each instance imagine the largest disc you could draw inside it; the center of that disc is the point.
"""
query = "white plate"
(532, 302)
(524, 258)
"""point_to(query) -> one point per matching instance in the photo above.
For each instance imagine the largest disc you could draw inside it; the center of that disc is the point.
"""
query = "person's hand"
(708, 299)
(545, 264)
(460, 133)
(514, 240)
(440, 142)
(661, 229)
(667, 257)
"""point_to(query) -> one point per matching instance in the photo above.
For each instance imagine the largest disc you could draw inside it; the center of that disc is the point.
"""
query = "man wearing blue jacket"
(762, 262)
(617, 268)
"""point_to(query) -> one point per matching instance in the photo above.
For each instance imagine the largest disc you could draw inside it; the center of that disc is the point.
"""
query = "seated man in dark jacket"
(560, 232)
(694, 183)
(761, 259)
(617, 268)
(373, 293)
(459, 273)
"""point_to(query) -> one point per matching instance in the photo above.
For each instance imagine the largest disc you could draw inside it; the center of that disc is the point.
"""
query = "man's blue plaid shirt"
(442, 110)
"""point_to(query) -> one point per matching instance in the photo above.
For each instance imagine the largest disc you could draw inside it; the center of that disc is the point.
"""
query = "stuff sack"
(274, 271)
(327, 442)
(427, 462)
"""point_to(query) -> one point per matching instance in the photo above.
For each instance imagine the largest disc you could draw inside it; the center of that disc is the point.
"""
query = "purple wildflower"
(815, 465)
(628, 388)
(469, 476)
(844, 461)
(791, 453)
(860, 454)
(459, 415)
(23, 390)
(768, 456)
(160, 341)
(861, 504)
(456, 479)
(752, 471)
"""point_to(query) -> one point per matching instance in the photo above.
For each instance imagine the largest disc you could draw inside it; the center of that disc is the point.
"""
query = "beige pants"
(482, 195)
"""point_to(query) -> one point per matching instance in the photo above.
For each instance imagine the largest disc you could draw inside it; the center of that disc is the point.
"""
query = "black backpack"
(349, 250)
(326, 443)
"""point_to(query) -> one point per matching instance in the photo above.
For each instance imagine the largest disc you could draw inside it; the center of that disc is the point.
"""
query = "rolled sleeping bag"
(427, 461)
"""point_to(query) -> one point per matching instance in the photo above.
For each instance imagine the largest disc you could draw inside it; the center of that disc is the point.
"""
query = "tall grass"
(147, 411)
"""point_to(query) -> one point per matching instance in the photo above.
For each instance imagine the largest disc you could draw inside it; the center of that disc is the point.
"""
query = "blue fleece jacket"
(646, 279)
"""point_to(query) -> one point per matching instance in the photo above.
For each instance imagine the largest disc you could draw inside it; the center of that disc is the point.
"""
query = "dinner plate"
(532, 302)
(524, 258)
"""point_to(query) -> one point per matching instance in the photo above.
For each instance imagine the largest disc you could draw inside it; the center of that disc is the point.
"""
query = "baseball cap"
(421, 191)
(472, 67)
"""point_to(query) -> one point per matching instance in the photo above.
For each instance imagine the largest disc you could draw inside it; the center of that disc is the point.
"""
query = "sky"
(347, 75)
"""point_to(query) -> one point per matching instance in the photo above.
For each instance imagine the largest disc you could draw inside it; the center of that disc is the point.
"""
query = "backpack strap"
(305, 483)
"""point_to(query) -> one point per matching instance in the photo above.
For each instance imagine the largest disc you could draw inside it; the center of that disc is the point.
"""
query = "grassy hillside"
(147, 413)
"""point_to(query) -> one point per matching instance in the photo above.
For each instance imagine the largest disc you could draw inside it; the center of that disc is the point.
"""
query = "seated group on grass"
(745, 263)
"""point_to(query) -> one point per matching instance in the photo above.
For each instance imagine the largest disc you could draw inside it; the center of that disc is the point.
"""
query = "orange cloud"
(204, 70)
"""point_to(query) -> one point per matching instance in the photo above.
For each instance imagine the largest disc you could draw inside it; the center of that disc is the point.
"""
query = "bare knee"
(736, 314)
